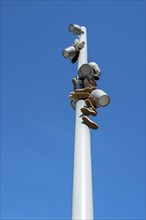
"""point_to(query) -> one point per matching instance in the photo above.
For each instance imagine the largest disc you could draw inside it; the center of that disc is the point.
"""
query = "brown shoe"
(88, 111)
(76, 96)
(74, 83)
(89, 104)
(93, 87)
(92, 100)
(89, 90)
(89, 123)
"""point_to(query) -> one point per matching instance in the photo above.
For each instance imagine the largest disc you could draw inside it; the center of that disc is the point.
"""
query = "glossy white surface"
(82, 198)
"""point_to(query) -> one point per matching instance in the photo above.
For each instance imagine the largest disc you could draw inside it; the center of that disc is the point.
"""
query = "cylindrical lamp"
(69, 52)
(75, 29)
(84, 71)
(100, 97)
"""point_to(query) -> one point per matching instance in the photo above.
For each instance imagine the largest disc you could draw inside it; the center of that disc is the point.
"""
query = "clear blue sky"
(38, 122)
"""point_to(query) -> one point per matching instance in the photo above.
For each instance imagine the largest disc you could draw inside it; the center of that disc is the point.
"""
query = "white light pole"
(82, 196)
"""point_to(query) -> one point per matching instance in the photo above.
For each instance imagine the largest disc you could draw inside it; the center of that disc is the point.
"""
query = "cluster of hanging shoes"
(89, 109)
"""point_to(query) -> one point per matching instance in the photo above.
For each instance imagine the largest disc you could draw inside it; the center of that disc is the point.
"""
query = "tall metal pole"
(82, 197)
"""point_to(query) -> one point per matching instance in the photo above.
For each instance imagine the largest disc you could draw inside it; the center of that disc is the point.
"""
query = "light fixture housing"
(96, 69)
(69, 52)
(100, 97)
(84, 71)
(75, 29)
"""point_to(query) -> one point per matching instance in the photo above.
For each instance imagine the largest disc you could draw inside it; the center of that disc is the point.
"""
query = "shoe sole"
(87, 111)
(89, 123)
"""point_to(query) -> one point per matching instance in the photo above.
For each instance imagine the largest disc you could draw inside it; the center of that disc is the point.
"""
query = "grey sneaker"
(88, 111)
(89, 123)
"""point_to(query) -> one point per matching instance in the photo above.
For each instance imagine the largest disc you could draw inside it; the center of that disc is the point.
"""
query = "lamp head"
(75, 29)
(100, 97)
(69, 52)
(84, 71)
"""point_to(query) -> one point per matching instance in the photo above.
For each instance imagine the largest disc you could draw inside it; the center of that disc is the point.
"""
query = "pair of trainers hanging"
(88, 110)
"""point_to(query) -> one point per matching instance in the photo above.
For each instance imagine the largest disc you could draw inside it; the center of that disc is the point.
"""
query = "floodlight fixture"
(96, 69)
(75, 29)
(69, 52)
(84, 71)
(100, 98)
